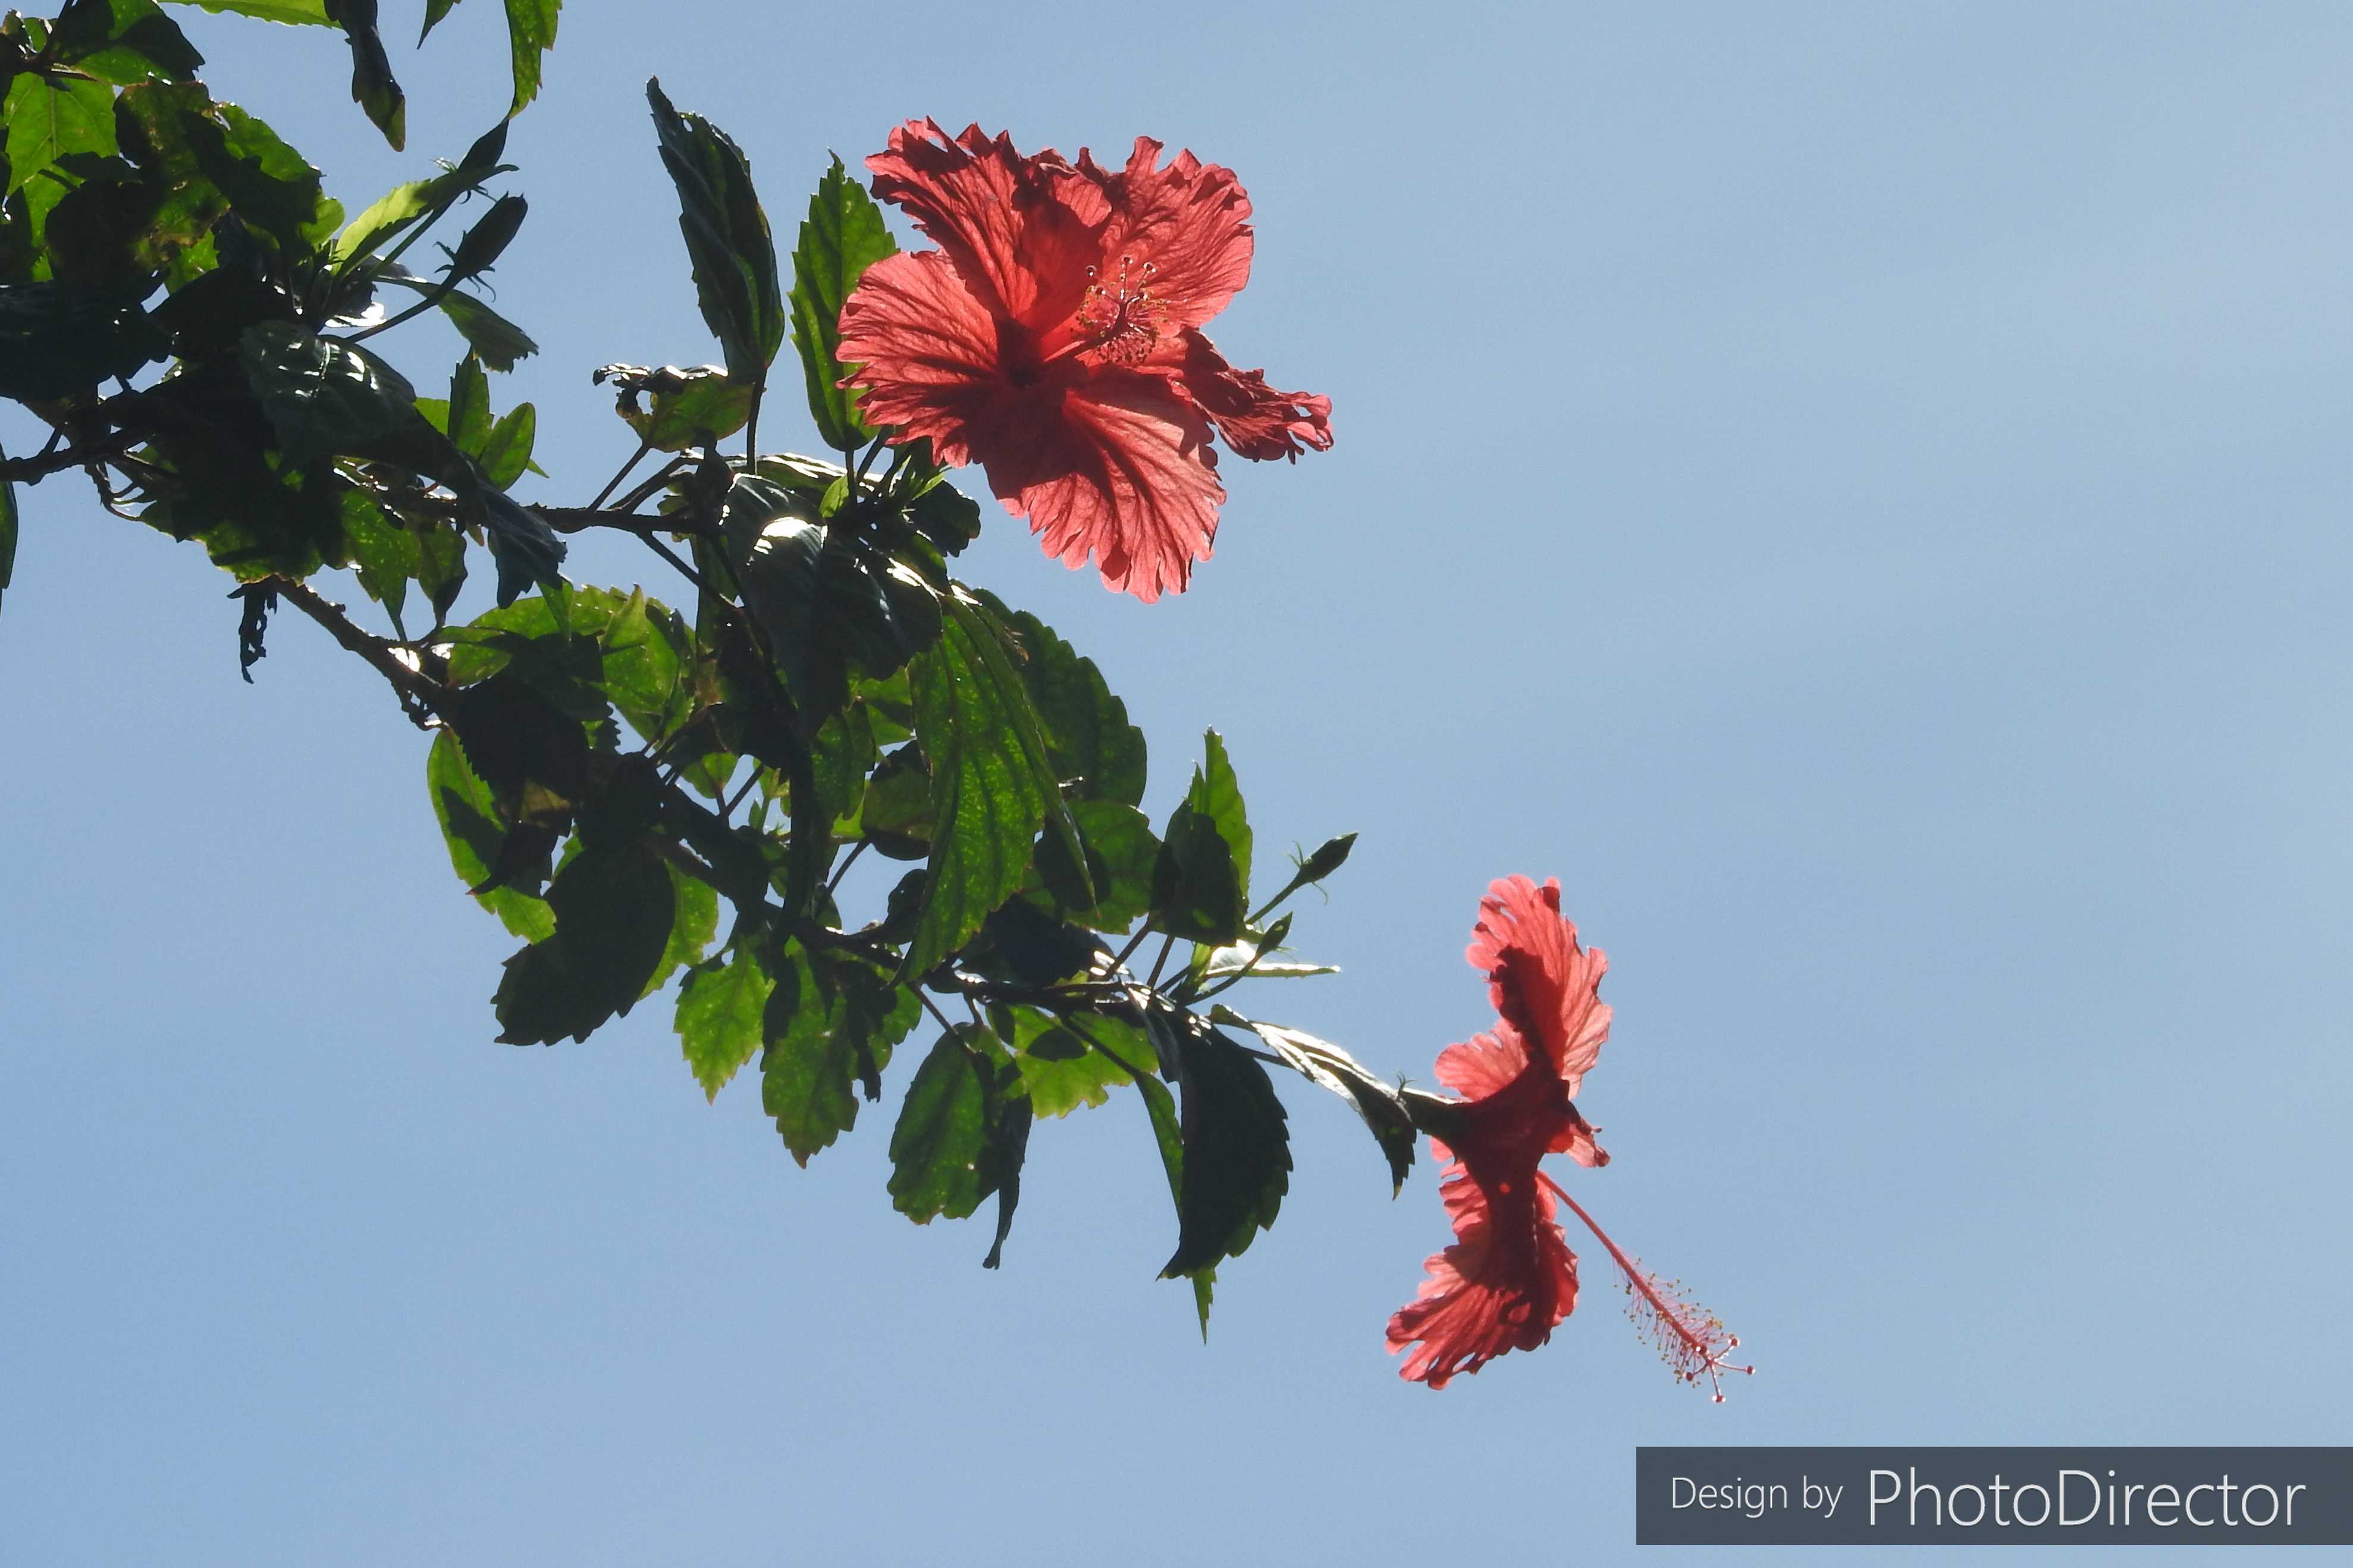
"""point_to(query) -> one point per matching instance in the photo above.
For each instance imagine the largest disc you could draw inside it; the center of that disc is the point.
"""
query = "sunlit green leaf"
(51, 117)
(530, 33)
(992, 781)
(843, 237)
(313, 12)
(831, 1023)
(720, 1010)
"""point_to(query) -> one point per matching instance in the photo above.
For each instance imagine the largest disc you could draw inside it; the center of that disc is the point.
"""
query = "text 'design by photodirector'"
(1850, 1496)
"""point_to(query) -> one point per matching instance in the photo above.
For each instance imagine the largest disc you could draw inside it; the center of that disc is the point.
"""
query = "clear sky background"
(1860, 493)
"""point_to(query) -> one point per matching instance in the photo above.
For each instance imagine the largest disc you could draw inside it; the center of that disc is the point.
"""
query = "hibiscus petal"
(1543, 984)
(995, 214)
(1482, 1066)
(1251, 417)
(1187, 220)
(1124, 474)
(925, 348)
(1502, 1286)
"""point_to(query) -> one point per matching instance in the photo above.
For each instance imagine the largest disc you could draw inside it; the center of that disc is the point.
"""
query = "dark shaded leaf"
(962, 1134)
(476, 834)
(727, 239)
(8, 535)
(1122, 852)
(895, 816)
(56, 340)
(829, 602)
(1200, 887)
(372, 87)
(123, 41)
(324, 397)
(1375, 1099)
(1237, 1153)
(614, 911)
(843, 237)
(1097, 753)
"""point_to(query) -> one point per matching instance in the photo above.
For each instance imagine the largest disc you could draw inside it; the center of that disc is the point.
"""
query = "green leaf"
(321, 396)
(962, 1134)
(472, 830)
(614, 909)
(1375, 1099)
(843, 237)
(268, 183)
(993, 782)
(467, 420)
(895, 813)
(1201, 885)
(313, 12)
(1251, 958)
(56, 340)
(506, 451)
(8, 535)
(1064, 1065)
(1097, 753)
(831, 1022)
(498, 340)
(827, 599)
(1122, 852)
(645, 648)
(727, 240)
(720, 1013)
(50, 118)
(1237, 1153)
(694, 922)
(1170, 1139)
(681, 408)
(434, 11)
(123, 41)
(383, 218)
(385, 556)
(372, 87)
(530, 33)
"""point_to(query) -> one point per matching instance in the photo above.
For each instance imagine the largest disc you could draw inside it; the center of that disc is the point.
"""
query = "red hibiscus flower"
(1054, 338)
(1510, 1277)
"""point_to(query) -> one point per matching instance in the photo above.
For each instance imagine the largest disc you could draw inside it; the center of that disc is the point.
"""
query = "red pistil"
(1693, 1339)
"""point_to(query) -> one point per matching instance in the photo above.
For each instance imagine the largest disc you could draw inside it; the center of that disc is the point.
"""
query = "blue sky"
(1857, 492)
